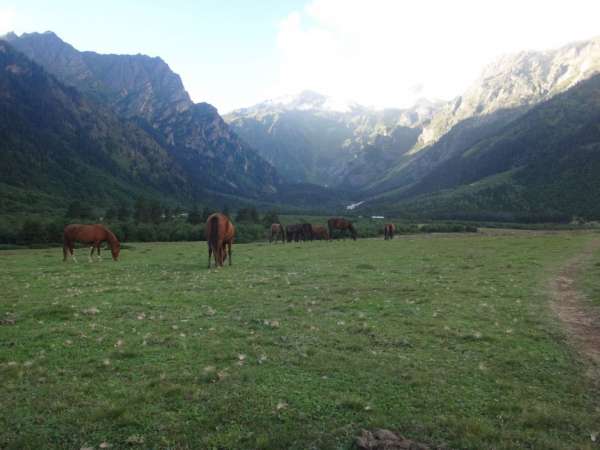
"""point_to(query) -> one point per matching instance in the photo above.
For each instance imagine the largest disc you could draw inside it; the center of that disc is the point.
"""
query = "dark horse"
(320, 232)
(277, 232)
(307, 232)
(219, 233)
(388, 231)
(294, 232)
(89, 234)
(336, 223)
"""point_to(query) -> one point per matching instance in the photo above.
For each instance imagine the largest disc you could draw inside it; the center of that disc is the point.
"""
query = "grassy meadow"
(447, 338)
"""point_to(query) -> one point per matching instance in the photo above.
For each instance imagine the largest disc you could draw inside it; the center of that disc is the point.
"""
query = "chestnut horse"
(89, 234)
(337, 223)
(219, 233)
(277, 232)
(388, 231)
(320, 232)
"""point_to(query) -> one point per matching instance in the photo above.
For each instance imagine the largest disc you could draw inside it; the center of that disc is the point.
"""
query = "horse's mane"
(110, 236)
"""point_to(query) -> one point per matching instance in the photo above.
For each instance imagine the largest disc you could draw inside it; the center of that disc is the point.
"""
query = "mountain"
(505, 91)
(146, 91)
(544, 165)
(56, 144)
(517, 82)
(310, 137)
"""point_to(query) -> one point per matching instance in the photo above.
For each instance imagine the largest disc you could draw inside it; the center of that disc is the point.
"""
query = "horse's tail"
(213, 238)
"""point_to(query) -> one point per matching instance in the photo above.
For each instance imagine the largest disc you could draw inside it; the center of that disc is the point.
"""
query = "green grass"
(448, 339)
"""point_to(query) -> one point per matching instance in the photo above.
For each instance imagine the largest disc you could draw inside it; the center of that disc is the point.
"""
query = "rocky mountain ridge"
(145, 90)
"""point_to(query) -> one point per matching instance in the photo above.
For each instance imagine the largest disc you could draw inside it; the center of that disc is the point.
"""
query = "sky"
(380, 53)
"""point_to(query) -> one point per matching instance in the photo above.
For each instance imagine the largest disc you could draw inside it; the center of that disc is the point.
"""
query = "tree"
(155, 212)
(270, 217)
(123, 213)
(205, 213)
(194, 217)
(141, 211)
(168, 212)
(249, 215)
(32, 231)
(226, 210)
(78, 210)
(111, 213)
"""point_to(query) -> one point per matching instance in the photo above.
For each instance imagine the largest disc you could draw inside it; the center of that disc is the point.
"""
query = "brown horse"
(277, 232)
(294, 232)
(320, 232)
(307, 232)
(219, 233)
(337, 223)
(388, 231)
(89, 234)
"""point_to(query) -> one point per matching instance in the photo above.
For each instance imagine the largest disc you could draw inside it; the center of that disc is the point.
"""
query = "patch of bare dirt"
(387, 440)
(580, 320)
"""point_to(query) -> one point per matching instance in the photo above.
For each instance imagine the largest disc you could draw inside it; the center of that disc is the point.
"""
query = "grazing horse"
(337, 223)
(219, 233)
(294, 232)
(388, 231)
(89, 234)
(320, 232)
(307, 232)
(277, 232)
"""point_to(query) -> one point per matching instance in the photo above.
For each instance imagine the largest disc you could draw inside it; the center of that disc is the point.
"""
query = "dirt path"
(580, 321)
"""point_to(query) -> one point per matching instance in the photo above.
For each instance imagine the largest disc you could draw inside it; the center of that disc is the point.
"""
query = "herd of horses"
(307, 232)
(219, 233)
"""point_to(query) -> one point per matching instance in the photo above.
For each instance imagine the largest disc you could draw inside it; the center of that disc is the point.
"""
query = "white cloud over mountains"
(7, 19)
(391, 52)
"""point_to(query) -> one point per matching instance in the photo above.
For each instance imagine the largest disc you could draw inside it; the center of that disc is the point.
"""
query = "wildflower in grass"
(281, 405)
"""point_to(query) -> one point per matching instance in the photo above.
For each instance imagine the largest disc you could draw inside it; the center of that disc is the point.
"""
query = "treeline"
(145, 221)
(150, 221)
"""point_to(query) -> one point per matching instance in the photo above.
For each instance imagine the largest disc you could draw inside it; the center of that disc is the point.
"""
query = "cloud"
(7, 19)
(389, 52)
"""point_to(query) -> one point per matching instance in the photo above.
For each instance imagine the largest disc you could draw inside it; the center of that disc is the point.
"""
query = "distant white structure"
(377, 217)
(354, 205)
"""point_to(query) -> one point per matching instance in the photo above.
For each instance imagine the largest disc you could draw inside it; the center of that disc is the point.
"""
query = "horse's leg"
(92, 252)
(209, 254)
(217, 255)
(229, 250)
(71, 246)
(98, 251)
(65, 252)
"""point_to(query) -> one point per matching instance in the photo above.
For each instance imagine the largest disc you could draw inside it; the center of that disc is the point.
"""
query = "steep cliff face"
(55, 141)
(505, 91)
(542, 166)
(144, 89)
(517, 82)
(315, 138)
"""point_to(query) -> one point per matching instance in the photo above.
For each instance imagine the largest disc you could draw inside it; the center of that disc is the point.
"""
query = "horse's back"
(225, 228)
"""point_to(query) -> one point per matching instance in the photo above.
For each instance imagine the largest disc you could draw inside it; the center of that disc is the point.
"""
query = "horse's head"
(353, 232)
(115, 249)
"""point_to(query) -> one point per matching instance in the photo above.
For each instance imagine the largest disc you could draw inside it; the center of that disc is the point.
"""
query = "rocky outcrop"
(315, 138)
(517, 82)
